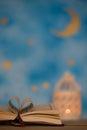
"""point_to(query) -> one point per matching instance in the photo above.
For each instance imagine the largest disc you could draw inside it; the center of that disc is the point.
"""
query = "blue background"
(36, 56)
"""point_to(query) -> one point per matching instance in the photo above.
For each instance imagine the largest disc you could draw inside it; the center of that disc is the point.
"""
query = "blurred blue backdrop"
(32, 57)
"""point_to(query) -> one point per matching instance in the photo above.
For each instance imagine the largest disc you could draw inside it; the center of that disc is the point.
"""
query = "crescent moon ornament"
(72, 27)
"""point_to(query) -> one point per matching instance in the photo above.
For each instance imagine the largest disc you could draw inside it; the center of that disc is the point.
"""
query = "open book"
(27, 113)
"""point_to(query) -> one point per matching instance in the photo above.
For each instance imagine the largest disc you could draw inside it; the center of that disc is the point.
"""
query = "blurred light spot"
(3, 21)
(30, 41)
(46, 85)
(67, 111)
(70, 63)
(6, 65)
(34, 88)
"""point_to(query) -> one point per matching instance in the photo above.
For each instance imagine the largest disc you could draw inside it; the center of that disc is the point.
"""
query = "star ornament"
(3, 21)
(46, 85)
(6, 65)
(70, 63)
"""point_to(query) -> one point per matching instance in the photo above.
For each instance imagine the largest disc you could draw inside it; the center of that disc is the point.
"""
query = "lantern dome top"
(67, 83)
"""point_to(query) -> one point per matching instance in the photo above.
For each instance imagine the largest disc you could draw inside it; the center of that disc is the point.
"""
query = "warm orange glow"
(46, 85)
(34, 88)
(4, 21)
(70, 62)
(30, 41)
(6, 65)
(67, 111)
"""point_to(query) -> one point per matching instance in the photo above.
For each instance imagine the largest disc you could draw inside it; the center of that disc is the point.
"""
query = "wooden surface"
(68, 125)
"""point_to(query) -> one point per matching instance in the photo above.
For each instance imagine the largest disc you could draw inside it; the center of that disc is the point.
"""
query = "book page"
(11, 105)
(3, 108)
(41, 112)
(43, 115)
(7, 116)
(26, 105)
(46, 109)
(41, 120)
(42, 107)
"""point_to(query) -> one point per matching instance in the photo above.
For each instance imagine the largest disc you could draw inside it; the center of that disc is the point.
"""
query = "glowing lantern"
(67, 97)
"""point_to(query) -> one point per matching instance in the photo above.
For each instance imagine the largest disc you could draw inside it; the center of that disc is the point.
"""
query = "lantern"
(67, 97)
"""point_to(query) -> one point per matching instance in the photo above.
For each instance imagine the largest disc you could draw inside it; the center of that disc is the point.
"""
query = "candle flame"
(67, 111)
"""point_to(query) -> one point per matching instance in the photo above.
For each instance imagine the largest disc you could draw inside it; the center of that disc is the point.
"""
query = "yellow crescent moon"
(72, 27)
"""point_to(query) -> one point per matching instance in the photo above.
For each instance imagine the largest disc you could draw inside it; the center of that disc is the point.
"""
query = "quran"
(27, 113)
